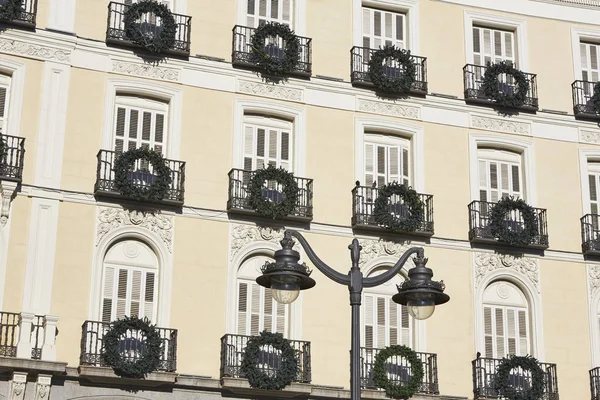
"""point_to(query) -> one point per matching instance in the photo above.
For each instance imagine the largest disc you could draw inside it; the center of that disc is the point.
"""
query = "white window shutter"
(369, 321)
(108, 294)
(499, 322)
(3, 108)
(386, 162)
(488, 332)
(385, 323)
(263, 11)
(492, 45)
(258, 311)
(266, 144)
(383, 28)
(593, 180)
(497, 178)
(140, 123)
(590, 63)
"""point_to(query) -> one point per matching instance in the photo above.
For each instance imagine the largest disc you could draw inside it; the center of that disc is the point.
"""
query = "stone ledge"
(242, 387)
(380, 394)
(28, 365)
(107, 375)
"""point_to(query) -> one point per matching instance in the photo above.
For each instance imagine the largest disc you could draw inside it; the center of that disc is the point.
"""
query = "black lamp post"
(286, 277)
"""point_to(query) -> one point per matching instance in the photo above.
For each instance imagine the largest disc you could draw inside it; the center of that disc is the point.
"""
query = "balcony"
(480, 231)
(582, 104)
(399, 370)
(91, 346)
(232, 352)
(473, 76)
(141, 176)
(484, 375)
(13, 332)
(115, 31)
(238, 195)
(590, 234)
(241, 54)
(595, 383)
(360, 57)
(26, 18)
(363, 200)
(11, 162)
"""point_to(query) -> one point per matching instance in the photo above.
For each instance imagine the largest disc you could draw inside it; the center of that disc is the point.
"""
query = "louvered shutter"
(381, 28)
(262, 11)
(492, 45)
(134, 291)
(385, 323)
(3, 108)
(385, 163)
(258, 311)
(499, 179)
(590, 65)
(267, 145)
(137, 127)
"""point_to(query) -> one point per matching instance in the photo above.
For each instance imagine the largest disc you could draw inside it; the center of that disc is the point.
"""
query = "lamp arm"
(386, 276)
(321, 266)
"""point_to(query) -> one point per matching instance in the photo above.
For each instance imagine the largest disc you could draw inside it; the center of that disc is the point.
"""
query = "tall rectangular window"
(493, 45)
(386, 160)
(263, 11)
(385, 322)
(381, 28)
(4, 97)
(590, 67)
(140, 123)
(499, 175)
(267, 141)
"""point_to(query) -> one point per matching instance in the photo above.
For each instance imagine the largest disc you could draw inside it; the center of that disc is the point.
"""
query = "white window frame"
(502, 156)
(386, 139)
(578, 36)
(408, 7)
(268, 122)
(518, 26)
(585, 158)
(298, 15)
(412, 133)
(5, 82)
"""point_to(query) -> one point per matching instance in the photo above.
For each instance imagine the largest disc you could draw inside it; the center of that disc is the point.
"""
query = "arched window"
(256, 308)
(129, 281)
(506, 318)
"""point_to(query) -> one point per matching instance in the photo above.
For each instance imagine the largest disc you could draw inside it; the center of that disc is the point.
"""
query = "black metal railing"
(480, 231)
(269, 359)
(595, 383)
(582, 103)
(241, 53)
(26, 18)
(37, 336)
(273, 191)
(399, 370)
(590, 234)
(9, 333)
(473, 76)
(141, 175)
(12, 157)
(131, 345)
(363, 202)
(484, 379)
(149, 24)
(360, 57)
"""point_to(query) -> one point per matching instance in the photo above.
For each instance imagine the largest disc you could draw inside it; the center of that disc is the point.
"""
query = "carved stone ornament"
(373, 249)
(395, 110)
(33, 50)
(7, 193)
(42, 389)
(594, 279)
(277, 92)
(499, 125)
(112, 218)
(146, 71)
(486, 263)
(242, 235)
(589, 136)
(17, 391)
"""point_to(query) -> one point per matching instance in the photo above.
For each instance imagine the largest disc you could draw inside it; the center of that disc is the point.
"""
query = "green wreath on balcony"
(499, 217)
(257, 377)
(275, 65)
(411, 199)
(396, 390)
(595, 99)
(151, 351)
(11, 10)
(384, 82)
(526, 363)
(123, 166)
(154, 43)
(490, 89)
(262, 205)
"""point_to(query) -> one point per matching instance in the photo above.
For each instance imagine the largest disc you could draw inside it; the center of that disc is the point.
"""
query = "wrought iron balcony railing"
(131, 346)
(484, 379)
(10, 332)
(588, 3)
(399, 370)
(582, 103)
(11, 159)
(149, 24)
(590, 234)
(241, 54)
(480, 231)
(473, 76)
(232, 351)
(360, 57)
(238, 195)
(142, 175)
(26, 17)
(595, 383)
(363, 203)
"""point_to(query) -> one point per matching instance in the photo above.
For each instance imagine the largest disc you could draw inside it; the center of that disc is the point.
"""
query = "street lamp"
(286, 278)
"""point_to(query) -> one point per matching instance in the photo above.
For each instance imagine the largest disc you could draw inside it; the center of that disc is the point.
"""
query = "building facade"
(77, 253)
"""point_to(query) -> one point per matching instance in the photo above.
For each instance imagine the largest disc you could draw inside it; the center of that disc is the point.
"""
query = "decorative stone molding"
(242, 235)
(486, 263)
(42, 387)
(373, 249)
(395, 110)
(594, 279)
(17, 386)
(589, 136)
(277, 92)
(7, 193)
(500, 125)
(33, 50)
(146, 71)
(112, 218)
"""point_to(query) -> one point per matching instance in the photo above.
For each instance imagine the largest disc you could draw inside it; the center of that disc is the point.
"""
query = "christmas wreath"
(595, 99)
(134, 32)
(275, 61)
(392, 84)
(159, 187)
(490, 85)
(11, 10)
(397, 390)
(262, 204)
(500, 224)
(257, 377)
(526, 363)
(151, 350)
(411, 199)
